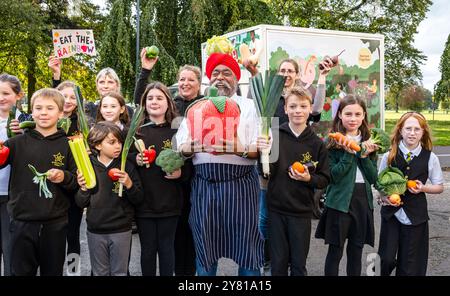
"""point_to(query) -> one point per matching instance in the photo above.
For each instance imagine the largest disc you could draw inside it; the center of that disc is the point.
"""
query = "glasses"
(284, 71)
(416, 130)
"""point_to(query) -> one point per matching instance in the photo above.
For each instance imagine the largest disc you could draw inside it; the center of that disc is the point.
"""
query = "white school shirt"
(247, 132)
(434, 174)
(4, 173)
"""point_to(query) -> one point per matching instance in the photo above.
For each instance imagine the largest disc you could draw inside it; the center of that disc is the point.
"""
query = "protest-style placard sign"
(66, 43)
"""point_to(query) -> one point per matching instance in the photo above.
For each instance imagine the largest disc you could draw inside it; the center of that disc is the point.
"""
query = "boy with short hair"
(39, 224)
(290, 193)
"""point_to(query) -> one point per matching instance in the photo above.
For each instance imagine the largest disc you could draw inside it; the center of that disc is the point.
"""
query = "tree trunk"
(31, 77)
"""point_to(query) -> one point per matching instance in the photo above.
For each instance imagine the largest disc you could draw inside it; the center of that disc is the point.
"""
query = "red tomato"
(111, 173)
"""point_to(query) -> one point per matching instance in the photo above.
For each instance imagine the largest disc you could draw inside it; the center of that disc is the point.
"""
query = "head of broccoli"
(169, 160)
(381, 138)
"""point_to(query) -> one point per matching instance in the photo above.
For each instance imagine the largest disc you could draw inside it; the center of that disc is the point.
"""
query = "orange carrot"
(340, 137)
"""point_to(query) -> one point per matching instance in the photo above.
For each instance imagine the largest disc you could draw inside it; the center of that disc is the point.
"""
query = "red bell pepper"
(4, 153)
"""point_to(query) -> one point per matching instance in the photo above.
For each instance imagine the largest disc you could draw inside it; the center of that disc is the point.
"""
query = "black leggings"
(354, 255)
(157, 236)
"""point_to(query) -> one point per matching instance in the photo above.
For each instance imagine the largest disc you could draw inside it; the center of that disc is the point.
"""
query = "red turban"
(222, 59)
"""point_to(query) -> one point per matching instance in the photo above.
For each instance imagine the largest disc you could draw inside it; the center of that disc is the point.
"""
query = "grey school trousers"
(109, 253)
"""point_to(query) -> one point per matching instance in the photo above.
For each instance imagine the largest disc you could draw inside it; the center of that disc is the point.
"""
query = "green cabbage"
(391, 180)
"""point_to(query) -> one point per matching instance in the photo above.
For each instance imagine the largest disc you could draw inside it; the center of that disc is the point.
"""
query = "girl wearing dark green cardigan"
(349, 205)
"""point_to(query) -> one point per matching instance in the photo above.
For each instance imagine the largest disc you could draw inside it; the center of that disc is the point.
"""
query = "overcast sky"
(430, 39)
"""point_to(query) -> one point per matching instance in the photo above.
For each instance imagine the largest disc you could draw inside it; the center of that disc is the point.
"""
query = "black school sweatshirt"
(162, 197)
(43, 153)
(106, 211)
(288, 196)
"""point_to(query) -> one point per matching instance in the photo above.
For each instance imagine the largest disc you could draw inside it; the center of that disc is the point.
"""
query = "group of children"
(348, 177)
(39, 227)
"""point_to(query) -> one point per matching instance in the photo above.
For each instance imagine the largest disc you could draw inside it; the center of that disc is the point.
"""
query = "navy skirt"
(224, 215)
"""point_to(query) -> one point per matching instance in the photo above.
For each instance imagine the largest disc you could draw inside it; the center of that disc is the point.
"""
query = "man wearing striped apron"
(225, 186)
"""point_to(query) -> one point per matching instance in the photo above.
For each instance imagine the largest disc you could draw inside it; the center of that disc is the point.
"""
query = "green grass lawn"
(440, 126)
(440, 131)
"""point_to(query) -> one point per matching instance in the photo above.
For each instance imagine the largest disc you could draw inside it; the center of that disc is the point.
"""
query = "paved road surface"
(439, 258)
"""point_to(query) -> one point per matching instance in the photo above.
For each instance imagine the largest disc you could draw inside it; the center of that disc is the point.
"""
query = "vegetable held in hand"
(137, 117)
(41, 180)
(169, 160)
(391, 181)
(64, 123)
(395, 199)
(111, 175)
(152, 51)
(219, 44)
(411, 184)
(27, 124)
(298, 167)
(338, 137)
(82, 160)
(266, 97)
(4, 153)
(12, 115)
(150, 153)
(380, 138)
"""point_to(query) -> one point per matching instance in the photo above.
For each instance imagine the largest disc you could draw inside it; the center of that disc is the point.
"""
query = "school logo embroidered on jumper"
(116, 186)
(167, 144)
(58, 161)
(306, 157)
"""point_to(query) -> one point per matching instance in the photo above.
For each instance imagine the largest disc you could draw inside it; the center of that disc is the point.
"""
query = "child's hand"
(344, 143)
(14, 126)
(147, 63)
(55, 175)
(141, 159)
(55, 65)
(124, 179)
(368, 147)
(81, 181)
(419, 187)
(305, 176)
(383, 200)
(262, 143)
(175, 175)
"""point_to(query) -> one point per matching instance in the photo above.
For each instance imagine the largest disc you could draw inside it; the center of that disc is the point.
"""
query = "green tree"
(117, 47)
(442, 88)
(412, 98)
(397, 20)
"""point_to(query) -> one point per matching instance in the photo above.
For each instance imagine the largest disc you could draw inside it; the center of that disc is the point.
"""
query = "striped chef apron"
(224, 215)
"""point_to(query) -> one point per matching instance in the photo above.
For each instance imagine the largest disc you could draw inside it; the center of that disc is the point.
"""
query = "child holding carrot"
(404, 235)
(108, 215)
(38, 223)
(348, 215)
(158, 215)
(290, 189)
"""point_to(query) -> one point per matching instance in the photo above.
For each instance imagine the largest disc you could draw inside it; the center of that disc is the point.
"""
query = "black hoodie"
(162, 197)
(106, 211)
(43, 153)
(288, 196)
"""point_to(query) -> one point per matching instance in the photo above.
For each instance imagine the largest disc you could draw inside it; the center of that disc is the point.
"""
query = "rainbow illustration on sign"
(67, 43)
